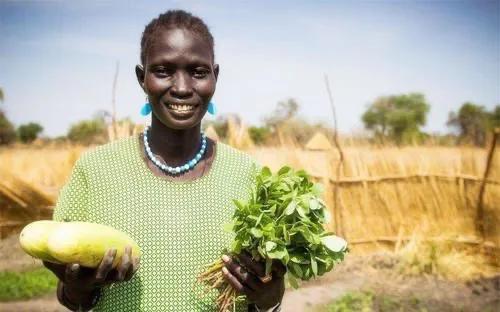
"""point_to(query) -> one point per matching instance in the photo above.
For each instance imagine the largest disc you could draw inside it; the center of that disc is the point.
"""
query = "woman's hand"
(244, 274)
(81, 281)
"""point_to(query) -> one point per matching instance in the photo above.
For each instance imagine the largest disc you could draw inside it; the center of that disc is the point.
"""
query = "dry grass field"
(388, 198)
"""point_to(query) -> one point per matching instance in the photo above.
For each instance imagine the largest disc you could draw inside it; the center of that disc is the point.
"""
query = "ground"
(375, 273)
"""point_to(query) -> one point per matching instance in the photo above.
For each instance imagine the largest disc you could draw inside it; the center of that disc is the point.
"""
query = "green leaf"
(334, 243)
(292, 280)
(317, 189)
(291, 208)
(278, 253)
(256, 232)
(314, 265)
(269, 265)
(297, 269)
(302, 212)
(314, 204)
(228, 227)
(240, 204)
(284, 170)
(258, 220)
(270, 246)
(265, 172)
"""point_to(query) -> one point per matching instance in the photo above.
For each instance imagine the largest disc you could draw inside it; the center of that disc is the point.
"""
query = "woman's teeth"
(181, 108)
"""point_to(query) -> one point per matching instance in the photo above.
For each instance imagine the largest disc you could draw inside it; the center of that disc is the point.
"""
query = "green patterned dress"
(178, 225)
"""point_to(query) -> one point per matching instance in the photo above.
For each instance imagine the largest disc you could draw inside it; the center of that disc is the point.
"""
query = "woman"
(169, 188)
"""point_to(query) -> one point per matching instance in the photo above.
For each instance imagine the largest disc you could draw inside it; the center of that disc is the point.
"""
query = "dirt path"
(375, 273)
(47, 303)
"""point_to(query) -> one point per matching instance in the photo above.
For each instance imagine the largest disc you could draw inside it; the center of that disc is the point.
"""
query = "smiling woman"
(170, 189)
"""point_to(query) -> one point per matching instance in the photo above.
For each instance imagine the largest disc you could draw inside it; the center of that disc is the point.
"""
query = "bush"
(29, 132)
(259, 135)
(25, 285)
(88, 131)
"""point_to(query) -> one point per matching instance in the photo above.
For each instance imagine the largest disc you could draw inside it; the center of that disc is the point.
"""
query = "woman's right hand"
(80, 281)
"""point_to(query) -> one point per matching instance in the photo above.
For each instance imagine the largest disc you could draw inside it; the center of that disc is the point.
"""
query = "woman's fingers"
(256, 267)
(125, 264)
(132, 269)
(71, 274)
(105, 266)
(231, 279)
(244, 277)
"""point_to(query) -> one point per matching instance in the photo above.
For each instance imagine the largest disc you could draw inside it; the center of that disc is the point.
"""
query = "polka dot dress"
(178, 225)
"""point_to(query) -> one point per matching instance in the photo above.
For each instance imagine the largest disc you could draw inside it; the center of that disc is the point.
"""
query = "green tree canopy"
(88, 131)
(284, 111)
(495, 117)
(473, 122)
(29, 132)
(398, 117)
(7, 131)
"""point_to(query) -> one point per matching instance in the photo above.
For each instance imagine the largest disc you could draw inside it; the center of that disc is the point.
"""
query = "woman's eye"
(200, 73)
(162, 72)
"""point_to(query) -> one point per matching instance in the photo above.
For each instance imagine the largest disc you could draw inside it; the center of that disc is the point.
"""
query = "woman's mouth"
(181, 109)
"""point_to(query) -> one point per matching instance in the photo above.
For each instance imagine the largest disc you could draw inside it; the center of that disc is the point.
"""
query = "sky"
(58, 58)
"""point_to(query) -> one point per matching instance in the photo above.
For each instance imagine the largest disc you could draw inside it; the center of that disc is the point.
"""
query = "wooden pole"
(337, 209)
(480, 203)
(113, 101)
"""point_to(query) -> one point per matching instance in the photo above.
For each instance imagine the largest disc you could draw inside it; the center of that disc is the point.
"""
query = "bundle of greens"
(284, 220)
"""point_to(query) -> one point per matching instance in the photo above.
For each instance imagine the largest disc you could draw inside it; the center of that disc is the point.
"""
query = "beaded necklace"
(179, 169)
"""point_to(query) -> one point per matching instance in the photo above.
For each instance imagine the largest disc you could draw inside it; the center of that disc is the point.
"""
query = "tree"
(7, 132)
(472, 122)
(29, 132)
(88, 131)
(495, 117)
(285, 110)
(398, 117)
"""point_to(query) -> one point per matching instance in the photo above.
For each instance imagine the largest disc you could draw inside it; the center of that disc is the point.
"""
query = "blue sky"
(57, 58)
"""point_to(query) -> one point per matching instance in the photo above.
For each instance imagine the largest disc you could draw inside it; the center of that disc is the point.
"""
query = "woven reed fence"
(383, 196)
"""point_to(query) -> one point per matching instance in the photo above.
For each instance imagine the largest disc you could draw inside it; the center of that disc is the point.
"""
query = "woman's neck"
(175, 147)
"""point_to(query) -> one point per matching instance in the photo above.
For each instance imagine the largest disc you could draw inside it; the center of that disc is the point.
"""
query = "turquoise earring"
(211, 108)
(146, 109)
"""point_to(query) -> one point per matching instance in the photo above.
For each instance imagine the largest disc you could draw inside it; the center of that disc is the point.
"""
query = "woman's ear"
(216, 71)
(139, 72)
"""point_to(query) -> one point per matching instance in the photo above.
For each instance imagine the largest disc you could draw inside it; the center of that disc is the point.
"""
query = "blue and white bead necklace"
(175, 170)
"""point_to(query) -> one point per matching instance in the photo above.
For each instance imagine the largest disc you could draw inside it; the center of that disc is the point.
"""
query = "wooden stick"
(480, 202)
(451, 178)
(393, 240)
(337, 211)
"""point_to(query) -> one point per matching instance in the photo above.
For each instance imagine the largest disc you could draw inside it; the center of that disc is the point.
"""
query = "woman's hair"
(170, 20)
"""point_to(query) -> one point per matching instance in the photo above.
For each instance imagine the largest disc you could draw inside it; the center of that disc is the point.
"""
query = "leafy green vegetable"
(283, 219)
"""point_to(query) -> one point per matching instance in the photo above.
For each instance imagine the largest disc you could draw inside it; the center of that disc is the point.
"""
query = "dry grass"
(440, 256)
(386, 194)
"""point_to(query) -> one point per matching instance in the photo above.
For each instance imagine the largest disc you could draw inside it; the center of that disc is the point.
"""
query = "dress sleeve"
(73, 198)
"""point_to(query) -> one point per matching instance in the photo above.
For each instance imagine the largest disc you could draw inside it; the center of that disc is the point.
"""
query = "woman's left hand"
(244, 274)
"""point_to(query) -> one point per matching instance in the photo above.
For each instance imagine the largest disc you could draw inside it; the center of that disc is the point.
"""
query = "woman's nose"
(182, 86)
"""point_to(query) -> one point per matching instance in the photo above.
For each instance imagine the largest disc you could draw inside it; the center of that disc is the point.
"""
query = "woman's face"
(179, 77)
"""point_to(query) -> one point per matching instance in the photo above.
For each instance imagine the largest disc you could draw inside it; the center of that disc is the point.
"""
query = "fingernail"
(225, 258)
(74, 267)
(224, 270)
